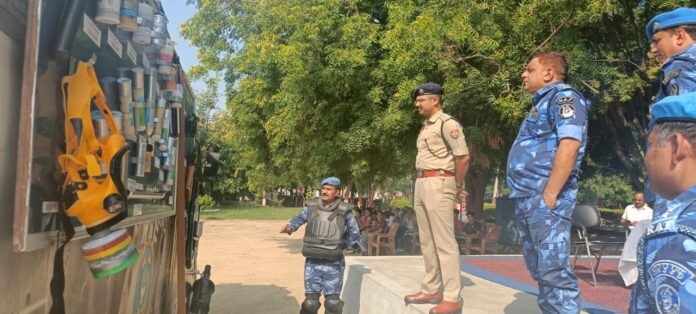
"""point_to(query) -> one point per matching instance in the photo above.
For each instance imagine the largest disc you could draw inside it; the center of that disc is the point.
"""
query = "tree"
(324, 87)
(303, 104)
(213, 136)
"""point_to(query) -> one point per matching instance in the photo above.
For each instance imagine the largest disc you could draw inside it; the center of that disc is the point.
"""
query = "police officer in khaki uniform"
(442, 163)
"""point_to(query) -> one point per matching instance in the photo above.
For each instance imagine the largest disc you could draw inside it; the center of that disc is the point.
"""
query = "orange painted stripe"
(108, 252)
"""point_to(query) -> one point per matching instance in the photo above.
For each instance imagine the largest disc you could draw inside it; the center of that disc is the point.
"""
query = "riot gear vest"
(325, 228)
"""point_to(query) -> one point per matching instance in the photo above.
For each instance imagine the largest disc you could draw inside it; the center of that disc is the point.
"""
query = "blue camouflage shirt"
(350, 237)
(557, 112)
(678, 77)
(667, 260)
(679, 74)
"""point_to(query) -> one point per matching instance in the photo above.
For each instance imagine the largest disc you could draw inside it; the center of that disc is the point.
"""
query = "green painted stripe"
(118, 268)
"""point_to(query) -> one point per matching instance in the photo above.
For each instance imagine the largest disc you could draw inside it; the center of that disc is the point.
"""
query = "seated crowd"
(373, 221)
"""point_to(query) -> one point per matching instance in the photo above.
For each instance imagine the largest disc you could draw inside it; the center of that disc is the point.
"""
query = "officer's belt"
(424, 173)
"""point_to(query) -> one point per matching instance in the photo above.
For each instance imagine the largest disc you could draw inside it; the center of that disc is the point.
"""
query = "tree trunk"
(632, 169)
(476, 182)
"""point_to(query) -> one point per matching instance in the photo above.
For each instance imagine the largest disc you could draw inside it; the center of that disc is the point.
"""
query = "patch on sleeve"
(666, 295)
(565, 100)
(455, 133)
(566, 111)
(667, 300)
(670, 269)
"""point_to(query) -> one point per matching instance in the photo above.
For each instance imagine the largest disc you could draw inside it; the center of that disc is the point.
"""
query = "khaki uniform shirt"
(432, 151)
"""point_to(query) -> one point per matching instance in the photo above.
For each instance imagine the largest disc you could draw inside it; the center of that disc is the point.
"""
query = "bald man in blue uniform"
(542, 175)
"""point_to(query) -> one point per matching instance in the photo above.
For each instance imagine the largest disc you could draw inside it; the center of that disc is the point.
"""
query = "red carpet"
(610, 292)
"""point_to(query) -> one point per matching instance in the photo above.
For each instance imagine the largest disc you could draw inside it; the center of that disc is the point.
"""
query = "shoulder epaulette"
(444, 118)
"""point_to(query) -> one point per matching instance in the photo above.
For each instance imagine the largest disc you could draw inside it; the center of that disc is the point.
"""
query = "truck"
(49, 261)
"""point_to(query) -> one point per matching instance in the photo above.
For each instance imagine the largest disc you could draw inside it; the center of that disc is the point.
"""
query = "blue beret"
(680, 108)
(331, 181)
(679, 16)
(428, 89)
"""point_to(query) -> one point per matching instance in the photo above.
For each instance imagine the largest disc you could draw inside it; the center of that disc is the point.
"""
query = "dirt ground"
(255, 268)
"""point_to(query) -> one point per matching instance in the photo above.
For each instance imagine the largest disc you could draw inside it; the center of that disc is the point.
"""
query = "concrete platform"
(378, 284)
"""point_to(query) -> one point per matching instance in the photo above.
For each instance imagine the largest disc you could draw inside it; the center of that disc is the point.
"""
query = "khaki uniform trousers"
(433, 202)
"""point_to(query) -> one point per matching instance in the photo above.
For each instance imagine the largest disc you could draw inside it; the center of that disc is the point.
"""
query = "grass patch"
(253, 213)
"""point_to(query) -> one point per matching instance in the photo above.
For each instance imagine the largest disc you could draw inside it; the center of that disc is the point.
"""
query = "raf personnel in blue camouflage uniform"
(672, 35)
(667, 252)
(542, 175)
(331, 227)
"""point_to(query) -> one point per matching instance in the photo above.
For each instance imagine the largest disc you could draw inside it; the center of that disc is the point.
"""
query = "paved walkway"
(258, 270)
(385, 280)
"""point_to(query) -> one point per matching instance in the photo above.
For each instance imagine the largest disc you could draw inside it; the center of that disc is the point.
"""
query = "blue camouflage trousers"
(323, 275)
(545, 237)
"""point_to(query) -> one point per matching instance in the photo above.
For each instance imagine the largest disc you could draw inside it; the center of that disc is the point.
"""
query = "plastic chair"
(586, 217)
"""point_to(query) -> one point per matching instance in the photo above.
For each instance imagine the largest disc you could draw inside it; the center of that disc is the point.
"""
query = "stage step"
(377, 285)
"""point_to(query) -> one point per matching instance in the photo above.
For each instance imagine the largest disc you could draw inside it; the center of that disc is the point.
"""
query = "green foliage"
(607, 190)
(401, 203)
(206, 202)
(612, 215)
(213, 135)
(253, 213)
(489, 212)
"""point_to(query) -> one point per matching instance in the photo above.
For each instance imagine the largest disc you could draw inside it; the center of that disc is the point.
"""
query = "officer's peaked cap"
(676, 17)
(331, 181)
(428, 89)
(680, 108)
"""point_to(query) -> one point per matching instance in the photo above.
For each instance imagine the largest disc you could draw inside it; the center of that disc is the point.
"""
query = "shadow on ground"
(293, 243)
(259, 299)
(522, 301)
(466, 282)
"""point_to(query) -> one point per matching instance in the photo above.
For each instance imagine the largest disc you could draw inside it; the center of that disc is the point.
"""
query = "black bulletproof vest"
(324, 232)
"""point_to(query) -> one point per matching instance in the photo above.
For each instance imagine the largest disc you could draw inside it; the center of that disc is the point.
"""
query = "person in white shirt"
(636, 212)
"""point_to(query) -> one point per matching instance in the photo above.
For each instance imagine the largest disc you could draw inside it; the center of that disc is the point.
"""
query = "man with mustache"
(331, 228)
(667, 251)
(672, 36)
(542, 176)
(442, 163)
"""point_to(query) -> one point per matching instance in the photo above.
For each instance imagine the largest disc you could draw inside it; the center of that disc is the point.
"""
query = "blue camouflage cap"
(331, 181)
(679, 16)
(679, 108)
